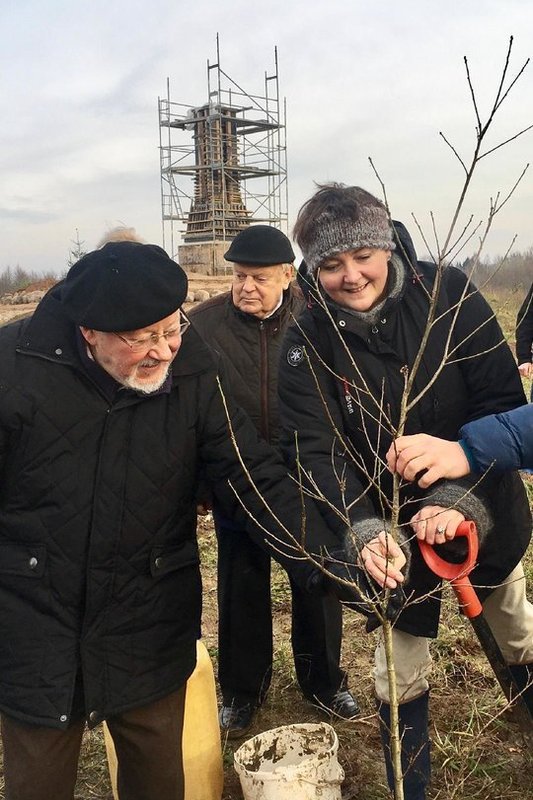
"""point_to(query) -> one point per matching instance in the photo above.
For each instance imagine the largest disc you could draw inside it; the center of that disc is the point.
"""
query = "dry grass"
(477, 753)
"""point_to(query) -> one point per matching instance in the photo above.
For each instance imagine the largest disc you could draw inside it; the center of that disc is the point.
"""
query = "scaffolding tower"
(223, 167)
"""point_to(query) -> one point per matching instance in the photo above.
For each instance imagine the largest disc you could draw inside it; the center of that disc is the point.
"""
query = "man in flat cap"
(247, 325)
(109, 407)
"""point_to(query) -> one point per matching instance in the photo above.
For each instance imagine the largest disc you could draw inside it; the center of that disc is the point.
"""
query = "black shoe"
(236, 720)
(341, 703)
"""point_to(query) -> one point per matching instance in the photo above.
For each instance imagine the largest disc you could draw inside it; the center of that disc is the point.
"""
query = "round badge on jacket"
(295, 355)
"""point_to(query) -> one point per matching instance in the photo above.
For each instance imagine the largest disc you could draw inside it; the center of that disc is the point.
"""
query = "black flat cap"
(123, 286)
(260, 246)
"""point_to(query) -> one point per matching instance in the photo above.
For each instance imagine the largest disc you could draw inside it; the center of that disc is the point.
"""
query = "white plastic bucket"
(294, 762)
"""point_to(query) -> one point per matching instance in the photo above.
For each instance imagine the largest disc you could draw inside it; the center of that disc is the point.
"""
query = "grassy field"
(477, 752)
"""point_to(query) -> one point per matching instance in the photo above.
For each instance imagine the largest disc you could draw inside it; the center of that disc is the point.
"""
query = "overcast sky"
(80, 82)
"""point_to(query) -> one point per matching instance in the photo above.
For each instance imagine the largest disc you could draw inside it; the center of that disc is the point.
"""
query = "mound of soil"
(38, 286)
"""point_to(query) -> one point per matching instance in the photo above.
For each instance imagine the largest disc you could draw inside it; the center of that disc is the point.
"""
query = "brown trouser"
(41, 763)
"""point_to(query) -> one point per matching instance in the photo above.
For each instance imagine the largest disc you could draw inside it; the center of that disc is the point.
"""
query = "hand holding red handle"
(458, 574)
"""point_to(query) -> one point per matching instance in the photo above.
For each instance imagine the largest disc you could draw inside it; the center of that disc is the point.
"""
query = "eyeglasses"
(147, 342)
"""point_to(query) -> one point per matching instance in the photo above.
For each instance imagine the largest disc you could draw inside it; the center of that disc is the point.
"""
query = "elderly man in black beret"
(247, 325)
(109, 407)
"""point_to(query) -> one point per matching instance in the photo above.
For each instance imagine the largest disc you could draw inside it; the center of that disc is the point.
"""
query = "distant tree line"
(515, 271)
(14, 278)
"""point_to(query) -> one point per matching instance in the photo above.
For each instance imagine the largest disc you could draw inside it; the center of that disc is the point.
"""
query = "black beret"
(123, 286)
(260, 246)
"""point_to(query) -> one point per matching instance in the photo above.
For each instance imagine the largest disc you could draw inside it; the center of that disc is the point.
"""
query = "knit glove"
(354, 588)
(362, 531)
(465, 497)
(459, 494)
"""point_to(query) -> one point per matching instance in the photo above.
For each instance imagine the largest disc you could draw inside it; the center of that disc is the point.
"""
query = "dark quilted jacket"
(99, 567)
(251, 348)
(524, 329)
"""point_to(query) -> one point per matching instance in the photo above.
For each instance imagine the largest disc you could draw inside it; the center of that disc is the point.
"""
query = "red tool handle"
(457, 574)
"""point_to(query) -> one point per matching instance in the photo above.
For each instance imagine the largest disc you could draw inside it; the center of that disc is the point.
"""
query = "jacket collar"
(279, 312)
(49, 332)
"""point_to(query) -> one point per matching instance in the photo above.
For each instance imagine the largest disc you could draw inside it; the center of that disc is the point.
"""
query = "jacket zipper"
(263, 355)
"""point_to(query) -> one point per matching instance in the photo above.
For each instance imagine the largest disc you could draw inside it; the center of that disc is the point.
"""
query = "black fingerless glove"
(361, 593)
(396, 601)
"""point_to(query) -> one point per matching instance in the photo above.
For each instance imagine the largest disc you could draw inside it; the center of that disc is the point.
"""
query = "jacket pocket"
(24, 561)
(168, 559)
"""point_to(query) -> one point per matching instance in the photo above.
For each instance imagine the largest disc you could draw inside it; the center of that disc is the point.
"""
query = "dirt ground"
(8, 313)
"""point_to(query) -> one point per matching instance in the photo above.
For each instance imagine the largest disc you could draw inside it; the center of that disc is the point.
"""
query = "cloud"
(80, 83)
(28, 215)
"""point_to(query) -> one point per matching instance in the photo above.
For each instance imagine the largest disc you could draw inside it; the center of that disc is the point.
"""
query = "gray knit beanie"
(340, 218)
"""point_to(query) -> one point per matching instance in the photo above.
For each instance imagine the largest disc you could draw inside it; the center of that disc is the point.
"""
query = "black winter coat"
(99, 566)
(251, 348)
(524, 329)
(356, 364)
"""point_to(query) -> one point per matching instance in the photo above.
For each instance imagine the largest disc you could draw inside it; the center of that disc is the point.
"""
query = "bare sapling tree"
(443, 254)
(382, 417)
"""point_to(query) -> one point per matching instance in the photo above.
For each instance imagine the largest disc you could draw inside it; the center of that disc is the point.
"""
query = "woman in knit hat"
(341, 391)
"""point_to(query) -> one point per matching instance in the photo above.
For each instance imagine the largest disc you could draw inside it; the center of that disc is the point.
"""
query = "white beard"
(146, 387)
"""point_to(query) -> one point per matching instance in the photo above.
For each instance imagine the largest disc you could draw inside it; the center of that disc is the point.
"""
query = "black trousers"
(245, 625)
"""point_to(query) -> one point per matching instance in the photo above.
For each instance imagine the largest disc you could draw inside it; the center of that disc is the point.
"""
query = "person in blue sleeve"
(499, 441)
